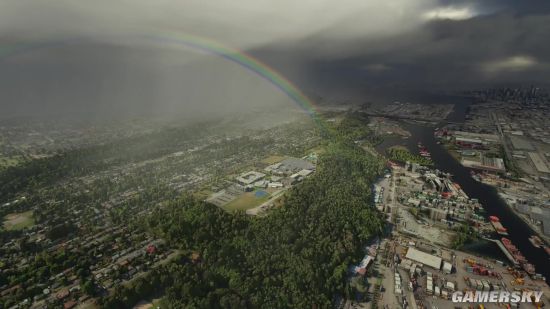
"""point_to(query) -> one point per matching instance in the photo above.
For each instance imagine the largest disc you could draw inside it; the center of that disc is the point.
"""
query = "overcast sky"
(347, 49)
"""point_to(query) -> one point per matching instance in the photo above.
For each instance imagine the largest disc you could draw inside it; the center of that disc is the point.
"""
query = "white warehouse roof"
(424, 258)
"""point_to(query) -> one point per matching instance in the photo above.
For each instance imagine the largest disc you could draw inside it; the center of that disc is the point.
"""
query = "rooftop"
(424, 258)
(521, 143)
(539, 162)
(250, 177)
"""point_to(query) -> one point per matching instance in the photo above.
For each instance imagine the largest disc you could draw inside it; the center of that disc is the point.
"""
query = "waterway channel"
(518, 230)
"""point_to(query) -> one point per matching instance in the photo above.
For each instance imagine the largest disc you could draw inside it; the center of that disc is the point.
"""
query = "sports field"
(18, 221)
(246, 201)
(273, 159)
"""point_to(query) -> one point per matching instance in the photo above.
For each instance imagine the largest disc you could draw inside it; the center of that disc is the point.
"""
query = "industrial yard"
(506, 144)
(429, 274)
(420, 264)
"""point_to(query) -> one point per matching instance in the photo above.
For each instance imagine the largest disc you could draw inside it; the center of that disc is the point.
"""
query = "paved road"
(256, 210)
(507, 151)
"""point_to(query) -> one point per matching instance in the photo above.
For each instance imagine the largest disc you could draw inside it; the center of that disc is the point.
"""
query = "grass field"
(400, 147)
(7, 162)
(273, 159)
(318, 150)
(203, 194)
(18, 221)
(246, 201)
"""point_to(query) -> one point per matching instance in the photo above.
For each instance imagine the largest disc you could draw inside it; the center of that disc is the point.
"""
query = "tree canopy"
(297, 256)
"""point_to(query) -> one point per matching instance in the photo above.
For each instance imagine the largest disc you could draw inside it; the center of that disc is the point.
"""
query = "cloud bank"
(350, 49)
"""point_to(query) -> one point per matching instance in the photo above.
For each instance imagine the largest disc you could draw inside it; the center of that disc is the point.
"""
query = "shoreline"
(502, 195)
(523, 217)
(444, 161)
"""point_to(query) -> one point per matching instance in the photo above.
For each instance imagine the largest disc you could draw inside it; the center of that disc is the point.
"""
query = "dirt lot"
(18, 221)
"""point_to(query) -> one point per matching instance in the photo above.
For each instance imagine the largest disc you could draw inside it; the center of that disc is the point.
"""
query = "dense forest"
(403, 155)
(297, 256)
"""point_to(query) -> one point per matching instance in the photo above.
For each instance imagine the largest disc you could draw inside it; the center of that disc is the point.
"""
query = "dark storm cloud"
(350, 49)
(100, 76)
(508, 46)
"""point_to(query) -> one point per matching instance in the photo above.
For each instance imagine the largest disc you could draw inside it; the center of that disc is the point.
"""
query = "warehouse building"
(249, 178)
(424, 258)
(487, 164)
(520, 143)
(483, 138)
(539, 163)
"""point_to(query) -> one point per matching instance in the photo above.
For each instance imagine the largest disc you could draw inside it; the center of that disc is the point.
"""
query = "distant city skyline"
(355, 51)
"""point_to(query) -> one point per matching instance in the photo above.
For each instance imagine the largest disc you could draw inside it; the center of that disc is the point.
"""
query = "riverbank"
(493, 204)
(536, 228)
(507, 189)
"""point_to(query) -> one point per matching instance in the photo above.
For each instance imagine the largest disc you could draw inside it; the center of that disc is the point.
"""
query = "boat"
(536, 241)
(476, 176)
(514, 251)
(423, 150)
(529, 268)
(499, 228)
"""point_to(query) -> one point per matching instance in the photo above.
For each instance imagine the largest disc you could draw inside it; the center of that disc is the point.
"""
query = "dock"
(504, 250)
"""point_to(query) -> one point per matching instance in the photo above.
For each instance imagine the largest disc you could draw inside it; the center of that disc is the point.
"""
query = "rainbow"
(211, 47)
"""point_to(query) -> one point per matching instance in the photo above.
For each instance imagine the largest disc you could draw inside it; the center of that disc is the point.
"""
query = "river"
(518, 230)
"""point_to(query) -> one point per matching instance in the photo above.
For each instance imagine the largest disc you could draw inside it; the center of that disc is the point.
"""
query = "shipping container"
(486, 286)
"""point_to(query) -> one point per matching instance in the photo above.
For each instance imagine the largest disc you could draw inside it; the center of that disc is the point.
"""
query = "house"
(62, 294)
(151, 249)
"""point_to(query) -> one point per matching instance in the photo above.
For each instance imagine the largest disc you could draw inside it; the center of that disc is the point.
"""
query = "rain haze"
(115, 58)
(276, 154)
